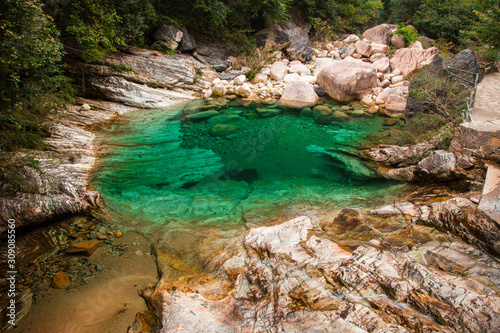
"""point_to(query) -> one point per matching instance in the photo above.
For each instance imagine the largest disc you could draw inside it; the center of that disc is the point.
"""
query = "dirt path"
(486, 117)
(487, 105)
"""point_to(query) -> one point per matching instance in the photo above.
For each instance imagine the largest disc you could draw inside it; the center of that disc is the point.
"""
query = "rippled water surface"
(158, 168)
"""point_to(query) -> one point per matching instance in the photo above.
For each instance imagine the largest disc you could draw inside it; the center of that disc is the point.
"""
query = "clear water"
(158, 169)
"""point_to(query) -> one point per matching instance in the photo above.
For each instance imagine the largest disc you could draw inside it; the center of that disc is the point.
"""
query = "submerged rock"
(203, 115)
(86, 248)
(223, 130)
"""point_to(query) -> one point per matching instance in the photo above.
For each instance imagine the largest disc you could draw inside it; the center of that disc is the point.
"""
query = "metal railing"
(472, 98)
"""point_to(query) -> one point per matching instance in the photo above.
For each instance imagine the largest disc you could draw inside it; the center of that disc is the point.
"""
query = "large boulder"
(348, 80)
(187, 43)
(440, 164)
(409, 60)
(380, 33)
(169, 34)
(299, 95)
(465, 60)
(291, 36)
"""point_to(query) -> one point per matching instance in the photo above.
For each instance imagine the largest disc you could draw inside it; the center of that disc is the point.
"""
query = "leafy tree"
(199, 14)
(343, 15)
(401, 10)
(487, 25)
(444, 19)
(94, 25)
(267, 11)
(30, 80)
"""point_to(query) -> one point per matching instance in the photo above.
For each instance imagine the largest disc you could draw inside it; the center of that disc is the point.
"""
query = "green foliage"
(95, 26)
(343, 15)
(199, 14)
(488, 25)
(323, 32)
(447, 95)
(269, 11)
(121, 68)
(444, 19)
(409, 33)
(31, 84)
(11, 171)
(420, 128)
(255, 59)
(401, 10)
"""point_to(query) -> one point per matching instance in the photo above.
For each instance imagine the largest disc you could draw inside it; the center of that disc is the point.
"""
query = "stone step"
(490, 200)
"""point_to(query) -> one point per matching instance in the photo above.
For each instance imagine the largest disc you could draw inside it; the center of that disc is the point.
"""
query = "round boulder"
(299, 95)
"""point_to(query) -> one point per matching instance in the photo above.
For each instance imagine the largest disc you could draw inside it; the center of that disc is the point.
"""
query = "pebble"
(118, 233)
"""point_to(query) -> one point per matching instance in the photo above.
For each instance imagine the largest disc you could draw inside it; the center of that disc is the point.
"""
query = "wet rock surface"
(355, 271)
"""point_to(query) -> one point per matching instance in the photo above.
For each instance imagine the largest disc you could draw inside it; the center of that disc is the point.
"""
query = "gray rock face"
(139, 88)
(440, 164)
(347, 80)
(61, 188)
(188, 42)
(168, 33)
(291, 35)
(398, 156)
(478, 139)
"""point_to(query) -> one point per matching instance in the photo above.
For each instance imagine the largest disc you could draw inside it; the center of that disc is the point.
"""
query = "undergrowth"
(255, 59)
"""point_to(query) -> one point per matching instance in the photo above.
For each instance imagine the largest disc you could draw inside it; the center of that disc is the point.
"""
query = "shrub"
(11, 172)
(408, 33)
(255, 58)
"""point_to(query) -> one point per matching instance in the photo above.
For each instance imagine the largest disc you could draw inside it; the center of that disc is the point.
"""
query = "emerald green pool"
(158, 168)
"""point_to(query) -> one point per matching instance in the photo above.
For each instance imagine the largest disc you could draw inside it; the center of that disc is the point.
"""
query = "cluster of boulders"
(349, 70)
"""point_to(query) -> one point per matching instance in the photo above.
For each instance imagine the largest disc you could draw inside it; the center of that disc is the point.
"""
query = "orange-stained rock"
(85, 248)
(61, 281)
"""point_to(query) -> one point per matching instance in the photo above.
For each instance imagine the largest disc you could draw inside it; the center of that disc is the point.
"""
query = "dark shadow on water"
(246, 175)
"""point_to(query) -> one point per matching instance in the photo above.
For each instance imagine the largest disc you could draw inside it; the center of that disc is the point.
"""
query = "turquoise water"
(158, 168)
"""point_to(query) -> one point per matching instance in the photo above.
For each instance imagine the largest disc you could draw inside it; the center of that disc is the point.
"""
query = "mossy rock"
(339, 115)
(202, 115)
(266, 112)
(321, 111)
(357, 113)
(211, 106)
(390, 122)
(223, 129)
(251, 115)
(224, 119)
(306, 113)
(268, 101)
